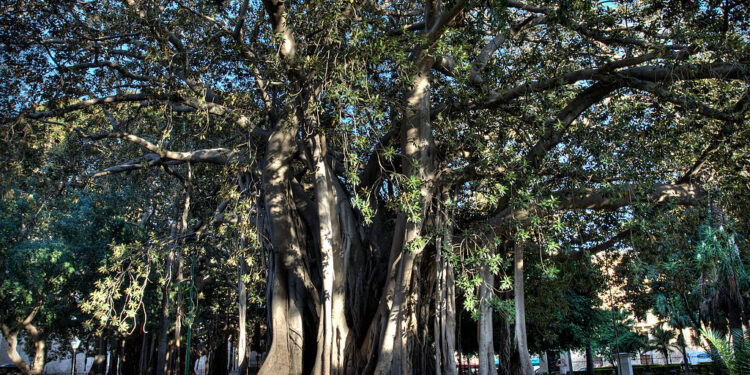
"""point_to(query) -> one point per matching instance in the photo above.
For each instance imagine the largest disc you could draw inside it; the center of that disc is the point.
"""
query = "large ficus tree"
(363, 133)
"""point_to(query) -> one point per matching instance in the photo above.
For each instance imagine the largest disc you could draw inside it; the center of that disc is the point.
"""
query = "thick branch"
(119, 98)
(210, 155)
(624, 195)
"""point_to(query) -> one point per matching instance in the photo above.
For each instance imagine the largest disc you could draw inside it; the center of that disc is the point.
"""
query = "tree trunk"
(418, 148)
(113, 357)
(130, 353)
(486, 346)
(143, 360)
(291, 279)
(589, 359)
(520, 305)
(242, 311)
(162, 356)
(505, 349)
(179, 316)
(151, 365)
(39, 348)
(100, 359)
(445, 309)
(683, 350)
(220, 358)
(12, 338)
(332, 326)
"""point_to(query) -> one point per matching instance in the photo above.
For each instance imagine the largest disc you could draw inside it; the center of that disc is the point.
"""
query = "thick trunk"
(285, 354)
(332, 326)
(417, 146)
(445, 309)
(37, 366)
(505, 347)
(486, 347)
(11, 336)
(520, 305)
(291, 279)
(100, 359)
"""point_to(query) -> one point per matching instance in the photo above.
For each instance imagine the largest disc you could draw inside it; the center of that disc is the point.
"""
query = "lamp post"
(74, 343)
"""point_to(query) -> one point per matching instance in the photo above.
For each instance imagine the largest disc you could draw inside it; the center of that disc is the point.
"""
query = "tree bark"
(163, 355)
(37, 366)
(486, 346)
(418, 148)
(11, 336)
(520, 306)
(291, 279)
(179, 316)
(445, 309)
(332, 326)
(100, 359)
(242, 311)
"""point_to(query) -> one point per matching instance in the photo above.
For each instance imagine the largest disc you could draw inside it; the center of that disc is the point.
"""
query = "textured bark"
(445, 307)
(242, 314)
(505, 346)
(291, 278)
(12, 338)
(417, 144)
(332, 326)
(520, 306)
(37, 367)
(486, 346)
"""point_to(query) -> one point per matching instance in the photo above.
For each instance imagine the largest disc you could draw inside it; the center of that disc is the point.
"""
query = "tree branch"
(210, 155)
(590, 199)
